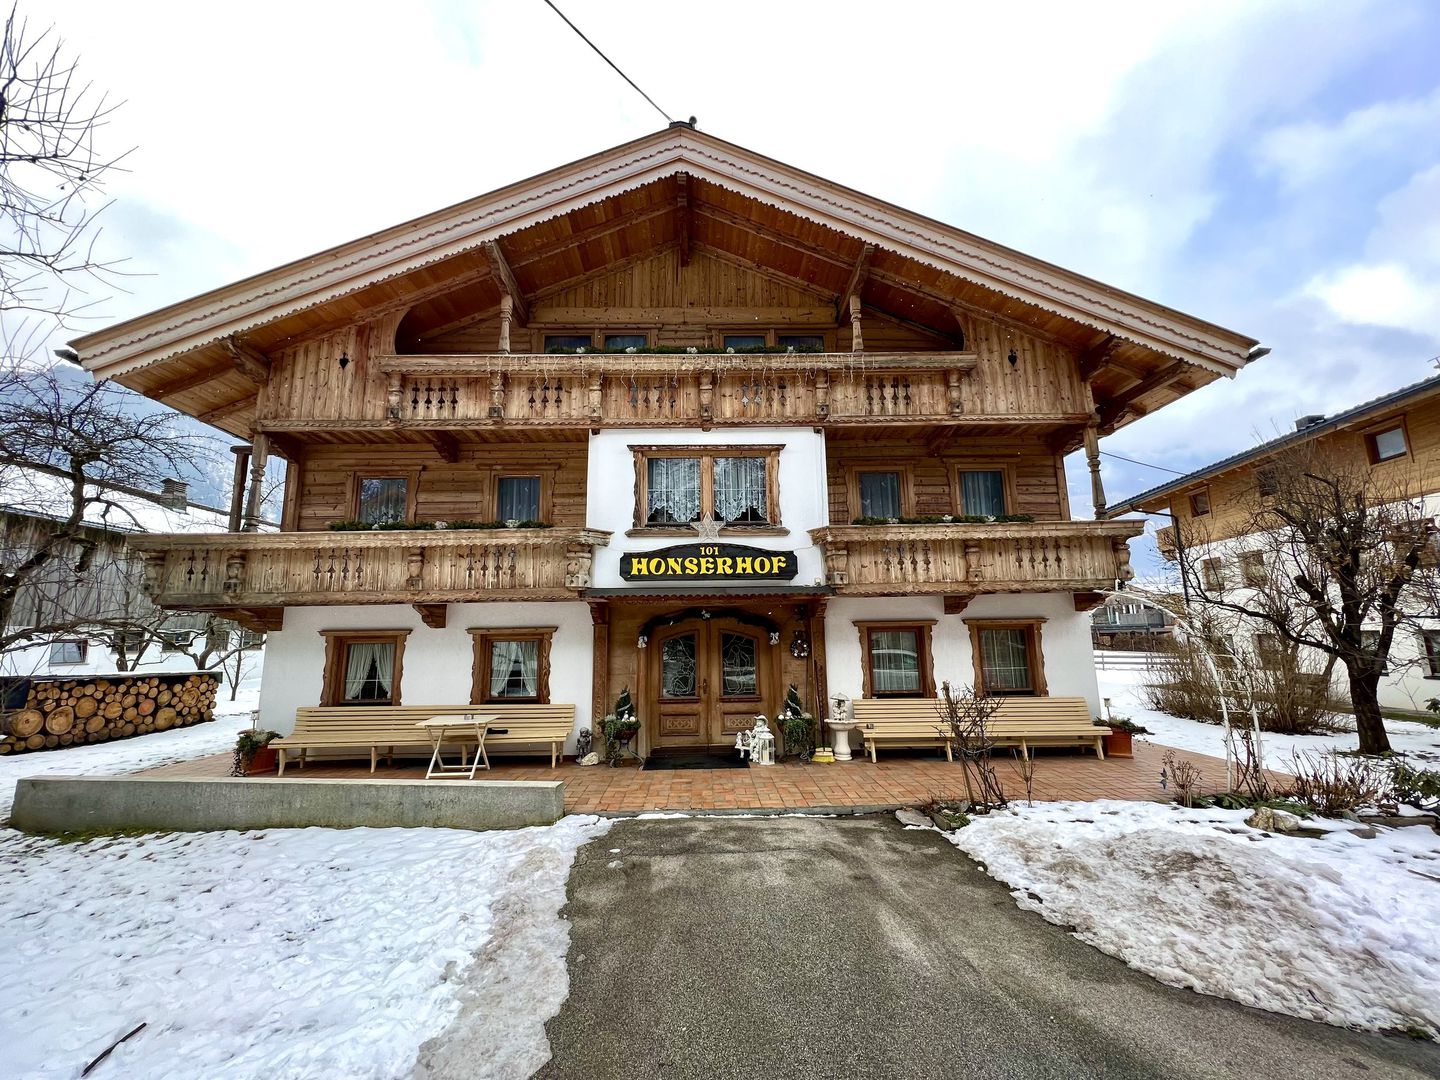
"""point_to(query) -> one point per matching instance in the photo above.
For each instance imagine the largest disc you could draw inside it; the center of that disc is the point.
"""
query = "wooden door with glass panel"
(711, 678)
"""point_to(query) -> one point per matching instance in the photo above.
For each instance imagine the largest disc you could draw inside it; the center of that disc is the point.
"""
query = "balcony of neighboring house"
(680, 389)
(253, 573)
(964, 559)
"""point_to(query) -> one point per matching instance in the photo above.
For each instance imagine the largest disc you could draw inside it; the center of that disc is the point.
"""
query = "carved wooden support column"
(707, 400)
(237, 489)
(1121, 547)
(822, 394)
(837, 562)
(952, 391)
(414, 567)
(596, 388)
(234, 571)
(394, 390)
(260, 450)
(578, 560)
(507, 312)
(857, 339)
(154, 565)
(973, 569)
(600, 668)
(497, 395)
(1092, 458)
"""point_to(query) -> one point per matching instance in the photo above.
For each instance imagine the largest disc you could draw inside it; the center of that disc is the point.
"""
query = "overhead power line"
(607, 60)
(1143, 464)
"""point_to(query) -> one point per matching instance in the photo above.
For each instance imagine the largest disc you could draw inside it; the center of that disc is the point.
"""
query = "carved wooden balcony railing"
(618, 390)
(261, 570)
(1064, 556)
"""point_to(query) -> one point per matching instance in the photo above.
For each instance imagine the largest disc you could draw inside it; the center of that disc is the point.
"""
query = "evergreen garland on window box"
(439, 526)
(947, 519)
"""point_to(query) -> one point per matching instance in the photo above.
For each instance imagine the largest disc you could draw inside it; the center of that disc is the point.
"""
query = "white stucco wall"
(611, 495)
(437, 663)
(1064, 638)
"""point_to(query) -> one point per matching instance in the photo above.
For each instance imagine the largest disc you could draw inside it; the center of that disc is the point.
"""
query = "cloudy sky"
(1272, 167)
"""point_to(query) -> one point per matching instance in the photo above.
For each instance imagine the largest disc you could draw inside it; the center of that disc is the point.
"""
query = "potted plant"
(619, 727)
(253, 756)
(1122, 730)
(797, 726)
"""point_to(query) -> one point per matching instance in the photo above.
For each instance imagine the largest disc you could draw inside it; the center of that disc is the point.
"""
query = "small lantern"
(762, 743)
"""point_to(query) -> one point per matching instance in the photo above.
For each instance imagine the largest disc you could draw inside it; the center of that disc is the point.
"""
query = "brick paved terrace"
(899, 779)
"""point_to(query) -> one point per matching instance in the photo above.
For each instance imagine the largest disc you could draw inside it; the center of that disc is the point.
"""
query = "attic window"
(1266, 482)
(1200, 504)
(1387, 444)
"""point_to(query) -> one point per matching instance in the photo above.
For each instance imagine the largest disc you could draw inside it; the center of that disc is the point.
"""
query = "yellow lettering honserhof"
(725, 565)
(743, 564)
(692, 566)
(672, 566)
(638, 565)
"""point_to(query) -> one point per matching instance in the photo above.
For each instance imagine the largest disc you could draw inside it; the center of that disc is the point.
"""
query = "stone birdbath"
(840, 729)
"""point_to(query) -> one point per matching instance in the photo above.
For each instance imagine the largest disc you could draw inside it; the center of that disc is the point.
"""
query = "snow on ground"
(140, 751)
(1124, 689)
(1340, 929)
(307, 952)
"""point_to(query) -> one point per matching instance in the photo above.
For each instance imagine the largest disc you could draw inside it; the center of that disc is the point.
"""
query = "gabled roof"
(1357, 414)
(929, 263)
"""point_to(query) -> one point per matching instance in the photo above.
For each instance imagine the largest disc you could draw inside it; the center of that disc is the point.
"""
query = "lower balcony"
(250, 572)
(1040, 556)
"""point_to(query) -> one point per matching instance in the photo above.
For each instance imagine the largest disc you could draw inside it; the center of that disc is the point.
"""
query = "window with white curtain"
(895, 662)
(511, 664)
(734, 485)
(740, 497)
(515, 670)
(517, 498)
(982, 493)
(369, 673)
(672, 490)
(382, 500)
(1005, 661)
(879, 494)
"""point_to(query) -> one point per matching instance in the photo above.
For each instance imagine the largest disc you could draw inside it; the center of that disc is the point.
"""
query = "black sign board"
(709, 562)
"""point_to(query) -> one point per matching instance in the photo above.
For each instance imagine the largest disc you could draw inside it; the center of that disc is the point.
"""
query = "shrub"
(796, 725)
(1416, 787)
(1123, 723)
(1330, 783)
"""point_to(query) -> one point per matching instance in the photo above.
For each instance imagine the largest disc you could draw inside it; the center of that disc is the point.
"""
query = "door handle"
(704, 687)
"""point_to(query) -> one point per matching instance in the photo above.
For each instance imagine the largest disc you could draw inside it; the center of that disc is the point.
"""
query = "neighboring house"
(109, 588)
(1397, 434)
(1120, 623)
(729, 426)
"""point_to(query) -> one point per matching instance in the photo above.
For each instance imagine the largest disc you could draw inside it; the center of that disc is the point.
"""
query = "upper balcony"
(257, 571)
(673, 389)
(964, 559)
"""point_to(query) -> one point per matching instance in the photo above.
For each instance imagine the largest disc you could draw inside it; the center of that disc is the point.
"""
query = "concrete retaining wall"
(59, 804)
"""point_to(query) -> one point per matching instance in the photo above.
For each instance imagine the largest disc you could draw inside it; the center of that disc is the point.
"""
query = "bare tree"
(1337, 556)
(51, 173)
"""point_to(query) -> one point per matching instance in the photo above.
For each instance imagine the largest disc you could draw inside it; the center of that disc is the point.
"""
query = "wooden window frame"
(1007, 480)
(1374, 431)
(481, 638)
(412, 488)
(1251, 578)
(1262, 474)
(1431, 660)
(1034, 650)
(771, 334)
(1195, 512)
(1275, 660)
(563, 331)
(1212, 573)
(924, 628)
(707, 455)
(336, 643)
(546, 476)
(84, 651)
(601, 335)
(907, 487)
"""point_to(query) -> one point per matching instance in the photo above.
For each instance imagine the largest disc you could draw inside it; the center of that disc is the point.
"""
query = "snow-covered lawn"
(141, 752)
(1340, 929)
(285, 953)
(1123, 688)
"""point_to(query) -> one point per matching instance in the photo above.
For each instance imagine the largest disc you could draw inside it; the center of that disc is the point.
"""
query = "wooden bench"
(1021, 722)
(386, 728)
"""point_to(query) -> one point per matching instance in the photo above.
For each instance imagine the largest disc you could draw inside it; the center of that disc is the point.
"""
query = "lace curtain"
(672, 490)
(740, 489)
(1005, 661)
(514, 669)
(369, 669)
(894, 662)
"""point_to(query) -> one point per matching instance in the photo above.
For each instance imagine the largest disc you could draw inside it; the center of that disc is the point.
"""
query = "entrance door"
(712, 676)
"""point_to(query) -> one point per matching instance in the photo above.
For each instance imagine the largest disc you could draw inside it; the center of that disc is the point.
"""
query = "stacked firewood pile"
(90, 710)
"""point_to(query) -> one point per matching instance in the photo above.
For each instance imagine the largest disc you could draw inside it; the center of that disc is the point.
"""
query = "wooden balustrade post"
(260, 450)
(1092, 459)
(857, 340)
(837, 562)
(394, 391)
(707, 400)
(497, 395)
(414, 567)
(578, 559)
(952, 391)
(507, 312)
(1121, 547)
(154, 567)
(234, 571)
(597, 382)
(237, 489)
(822, 393)
(973, 569)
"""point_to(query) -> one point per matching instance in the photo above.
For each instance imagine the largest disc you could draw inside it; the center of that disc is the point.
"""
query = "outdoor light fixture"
(799, 645)
(345, 360)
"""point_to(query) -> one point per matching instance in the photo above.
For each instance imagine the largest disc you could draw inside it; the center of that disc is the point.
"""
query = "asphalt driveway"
(822, 947)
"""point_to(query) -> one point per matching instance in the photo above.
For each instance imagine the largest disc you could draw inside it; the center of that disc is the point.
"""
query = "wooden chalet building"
(735, 427)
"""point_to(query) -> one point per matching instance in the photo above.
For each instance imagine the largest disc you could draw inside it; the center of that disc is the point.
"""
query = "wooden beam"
(507, 280)
(250, 362)
(954, 605)
(1098, 356)
(682, 206)
(858, 275)
(1088, 601)
(260, 620)
(585, 236)
(229, 408)
(445, 443)
(725, 217)
(766, 272)
(955, 340)
(190, 382)
(1110, 410)
(432, 615)
(553, 287)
